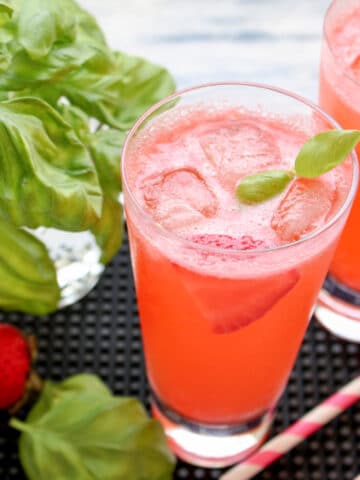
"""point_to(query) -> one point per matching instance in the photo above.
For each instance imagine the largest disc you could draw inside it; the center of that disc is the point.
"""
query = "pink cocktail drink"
(225, 291)
(340, 96)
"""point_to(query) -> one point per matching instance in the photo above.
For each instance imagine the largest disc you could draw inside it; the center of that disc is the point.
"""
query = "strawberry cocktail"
(225, 290)
(339, 303)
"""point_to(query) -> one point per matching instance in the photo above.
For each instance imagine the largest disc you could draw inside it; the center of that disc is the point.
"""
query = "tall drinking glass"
(225, 291)
(339, 302)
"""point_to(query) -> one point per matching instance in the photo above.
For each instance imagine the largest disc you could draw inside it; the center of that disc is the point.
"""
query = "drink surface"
(340, 96)
(221, 328)
(185, 170)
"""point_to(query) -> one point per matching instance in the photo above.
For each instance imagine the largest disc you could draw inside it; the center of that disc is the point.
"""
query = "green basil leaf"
(47, 177)
(38, 76)
(77, 119)
(37, 28)
(86, 435)
(42, 56)
(83, 382)
(7, 25)
(262, 186)
(109, 230)
(119, 95)
(86, 25)
(325, 151)
(28, 277)
(6, 8)
(105, 147)
(44, 402)
(143, 84)
(66, 56)
(72, 386)
(54, 51)
(5, 57)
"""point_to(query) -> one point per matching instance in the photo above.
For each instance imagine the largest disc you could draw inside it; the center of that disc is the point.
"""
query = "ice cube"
(238, 150)
(176, 215)
(306, 206)
(179, 197)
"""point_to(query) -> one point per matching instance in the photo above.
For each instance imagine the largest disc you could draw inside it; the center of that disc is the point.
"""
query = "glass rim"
(187, 242)
(338, 62)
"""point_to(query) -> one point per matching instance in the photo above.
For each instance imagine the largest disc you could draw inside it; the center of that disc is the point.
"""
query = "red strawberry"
(230, 304)
(15, 361)
(245, 242)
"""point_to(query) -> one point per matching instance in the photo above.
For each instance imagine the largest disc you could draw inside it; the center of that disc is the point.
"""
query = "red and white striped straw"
(296, 433)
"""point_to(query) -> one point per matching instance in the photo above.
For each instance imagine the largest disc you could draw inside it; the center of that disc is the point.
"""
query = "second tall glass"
(339, 302)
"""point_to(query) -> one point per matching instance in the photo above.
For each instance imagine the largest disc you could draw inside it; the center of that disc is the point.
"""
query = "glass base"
(77, 261)
(211, 446)
(338, 310)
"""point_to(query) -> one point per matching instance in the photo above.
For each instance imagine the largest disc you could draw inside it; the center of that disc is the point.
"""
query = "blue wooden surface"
(270, 41)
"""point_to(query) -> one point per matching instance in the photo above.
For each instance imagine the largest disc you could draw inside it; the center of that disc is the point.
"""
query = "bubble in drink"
(305, 207)
(238, 149)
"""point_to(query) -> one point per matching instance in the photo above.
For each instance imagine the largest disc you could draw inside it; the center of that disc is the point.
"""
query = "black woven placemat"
(101, 334)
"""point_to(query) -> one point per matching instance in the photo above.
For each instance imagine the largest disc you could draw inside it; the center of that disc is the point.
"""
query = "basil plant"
(66, 103)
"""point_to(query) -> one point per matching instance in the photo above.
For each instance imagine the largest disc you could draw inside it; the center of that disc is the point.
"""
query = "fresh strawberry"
(15, 361)
(233, 303)
(245, 242)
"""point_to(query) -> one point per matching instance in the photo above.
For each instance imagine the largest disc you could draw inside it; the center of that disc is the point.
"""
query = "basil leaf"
(72, 386)
(77, 119)
(325, 151)
(56, 51)
(43, 55)
(143, 84)
(6, 12)
(73, 13)
(262, 186)
(87, 24)
(44, 402)
(105, 147)
(119, 95)
(42, 23)
(51, 63)
(5, 58)
(66, 56)
(83, 382)
(28, 277)
(84, 434)
(7, 26)
(109, 230)
(6, 6)
(37, 28)
(36, 77)
(47, 177)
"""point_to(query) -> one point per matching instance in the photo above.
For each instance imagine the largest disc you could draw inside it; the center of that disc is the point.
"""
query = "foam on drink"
(185, 168)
